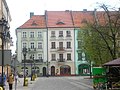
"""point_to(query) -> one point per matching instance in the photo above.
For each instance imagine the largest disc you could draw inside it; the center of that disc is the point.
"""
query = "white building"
(32, 35)
(5, 37)
(60, 43)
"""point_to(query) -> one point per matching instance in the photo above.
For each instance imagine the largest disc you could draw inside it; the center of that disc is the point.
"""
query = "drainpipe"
(47, 44)
(74, 44)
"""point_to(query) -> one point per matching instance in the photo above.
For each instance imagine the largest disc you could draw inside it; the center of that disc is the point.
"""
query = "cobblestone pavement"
(20, 84)
(55, 83)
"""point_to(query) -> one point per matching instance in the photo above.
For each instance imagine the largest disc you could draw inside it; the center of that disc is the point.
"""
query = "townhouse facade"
(61, 43)
(32, 35)
(82, 64)
(61, 46)
(5, 37)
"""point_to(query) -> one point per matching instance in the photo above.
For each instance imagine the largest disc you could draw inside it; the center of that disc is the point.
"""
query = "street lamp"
(3, 26)
(24, 54)
(31, 67)
(34, 66)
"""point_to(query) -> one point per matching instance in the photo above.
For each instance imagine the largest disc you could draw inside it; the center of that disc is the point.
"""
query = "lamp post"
(34, 66)
(3, 26)
(24, 54)
(31, 67)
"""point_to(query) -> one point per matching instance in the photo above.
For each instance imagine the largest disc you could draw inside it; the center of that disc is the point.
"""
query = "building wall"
(64, 40)
(77, 50)
(5, 16)
(28, 40)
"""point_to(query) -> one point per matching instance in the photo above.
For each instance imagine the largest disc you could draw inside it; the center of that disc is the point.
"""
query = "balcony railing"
(61, 60)
(53, 36)
(33, 61)
(61, 48)
(39, 60)
(68, 36)
(31, 49)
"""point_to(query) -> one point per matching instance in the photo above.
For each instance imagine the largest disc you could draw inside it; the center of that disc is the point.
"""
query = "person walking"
(2, 82)
(0, 79)
(10, 81)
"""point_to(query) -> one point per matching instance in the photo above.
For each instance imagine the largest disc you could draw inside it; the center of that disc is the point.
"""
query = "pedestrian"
(16, 78)
(2, 82)
(109, 85)
(10, 81)
(4, 78)
(0, 79)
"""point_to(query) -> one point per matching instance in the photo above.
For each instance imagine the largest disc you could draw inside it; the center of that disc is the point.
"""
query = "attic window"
(84, 21)
(59, 22)
(34, 23)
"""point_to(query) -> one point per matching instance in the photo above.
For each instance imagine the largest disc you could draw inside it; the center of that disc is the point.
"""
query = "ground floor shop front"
(51, 69)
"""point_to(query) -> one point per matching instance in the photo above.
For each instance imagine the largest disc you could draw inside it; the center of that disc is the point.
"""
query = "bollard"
(26, 81)
(1, 88)
(33, 78)
(35, 75)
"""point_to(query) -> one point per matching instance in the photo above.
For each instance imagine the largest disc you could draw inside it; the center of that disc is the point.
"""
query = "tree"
(100, 35)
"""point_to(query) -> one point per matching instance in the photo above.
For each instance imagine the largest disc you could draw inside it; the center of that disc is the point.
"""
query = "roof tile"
(36, 21)
(59, 19)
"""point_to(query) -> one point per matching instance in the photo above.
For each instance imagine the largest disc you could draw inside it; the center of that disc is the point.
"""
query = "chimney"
(31, 14)
(84, 10)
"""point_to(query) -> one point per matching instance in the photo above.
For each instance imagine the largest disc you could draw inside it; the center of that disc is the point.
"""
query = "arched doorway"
(52, 71)
(65, 70)
(44, 71)
(83, 69)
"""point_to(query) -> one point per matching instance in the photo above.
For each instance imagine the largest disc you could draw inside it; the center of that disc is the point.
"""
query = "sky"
(20, 9)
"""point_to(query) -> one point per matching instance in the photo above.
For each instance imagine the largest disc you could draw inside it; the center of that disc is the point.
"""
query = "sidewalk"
(20, 84)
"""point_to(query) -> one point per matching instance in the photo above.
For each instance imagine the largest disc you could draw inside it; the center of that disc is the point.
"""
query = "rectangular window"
(39, 34)
(68, 33)
(53, 45)
(24, 35)
(39, 45)
(32, 45)
(32, 56)
(60, 33)
(79, 56)
(61, 44)
(24, 45)
(69, 56)
(79, 44)
(68, 44)
(61, 56)
(52, 33)
(39, 56)
(31, 34)
(53, 57)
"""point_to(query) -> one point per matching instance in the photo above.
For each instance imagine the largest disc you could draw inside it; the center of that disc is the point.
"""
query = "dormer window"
(34, 23)
(60, 22)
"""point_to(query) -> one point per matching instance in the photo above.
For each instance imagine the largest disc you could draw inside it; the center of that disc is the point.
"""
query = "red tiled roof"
(64, 19)
(59, 19)
(80, 17)
(36, 21)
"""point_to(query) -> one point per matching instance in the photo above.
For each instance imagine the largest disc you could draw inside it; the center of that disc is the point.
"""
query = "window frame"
(53, 45)
(24, 34)
(60, 33)
(68, 44)
(31, 34)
